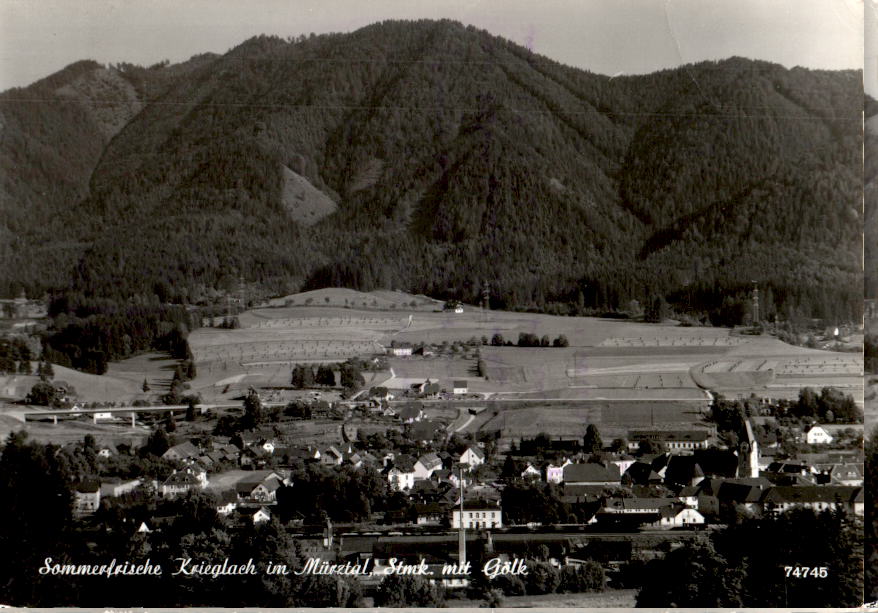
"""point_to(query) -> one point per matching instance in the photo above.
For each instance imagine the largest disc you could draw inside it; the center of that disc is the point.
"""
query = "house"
(531, 472)
(430, 514)
(112, 489)
(254, 456)
(631, 511)
(400, 350)
(816, 435)
(261, 487)
(411, 413)
(331, 456)
(671, 439)
(86, 497)
(182, 452)
(678, 516)
(689, 496)
(261, 516)
(477, 515)
(555, 474)
(228, 502)
(401, 473)
(815, 497)
(745, 492)
(642, 473)
(841, 473)
(426, 464)
(683, 470)
(460, 387)
(180, 482)
(425, 430)
(591, 473)
(474, 456)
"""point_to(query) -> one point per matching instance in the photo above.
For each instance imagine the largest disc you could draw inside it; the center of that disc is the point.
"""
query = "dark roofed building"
(591, 473)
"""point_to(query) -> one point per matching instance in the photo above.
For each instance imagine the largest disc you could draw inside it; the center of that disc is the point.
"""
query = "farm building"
(460, 387)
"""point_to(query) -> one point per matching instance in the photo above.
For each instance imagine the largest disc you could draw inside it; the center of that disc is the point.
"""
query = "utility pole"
(461, 534)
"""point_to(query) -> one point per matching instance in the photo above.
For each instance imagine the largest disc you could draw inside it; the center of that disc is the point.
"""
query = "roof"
(184, 450)
(460, 383)
(476, 450)
(89, 486)
(699, 435)
(591, 473)
(181, 478)
(424, 430)
(430, 460)
(813, 493)
(409, 412)
(639, 504)
(404, 463)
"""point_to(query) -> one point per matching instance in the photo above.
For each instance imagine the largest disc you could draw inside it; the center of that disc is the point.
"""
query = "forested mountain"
(431, 157)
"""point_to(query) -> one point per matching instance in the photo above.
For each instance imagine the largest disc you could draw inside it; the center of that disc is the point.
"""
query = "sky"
(39, 37)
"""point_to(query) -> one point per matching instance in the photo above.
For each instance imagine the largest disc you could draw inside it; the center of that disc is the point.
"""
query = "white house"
(426, 464)
(261, 516)
(400, 479)
(555, 474)
(477, 516)
(678, 517)
(817, 436)
(531, 472)
(472, 456)
(460, 387)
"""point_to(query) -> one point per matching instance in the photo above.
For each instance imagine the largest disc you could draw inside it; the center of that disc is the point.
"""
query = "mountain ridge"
(678, 184)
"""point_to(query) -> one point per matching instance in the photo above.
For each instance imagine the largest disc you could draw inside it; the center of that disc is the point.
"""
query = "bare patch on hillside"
(305, 203)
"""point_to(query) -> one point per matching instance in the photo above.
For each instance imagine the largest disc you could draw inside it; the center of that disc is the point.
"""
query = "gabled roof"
(813, 493)
(182, 478)
(430, 461)
(183, 450)
(404, 463)
(460, 383)
(639, 503)
(409, 412)
(476, 450)
(591, 473)
(89, 486)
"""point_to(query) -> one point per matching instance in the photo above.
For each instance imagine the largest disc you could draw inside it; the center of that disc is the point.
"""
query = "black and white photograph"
(452, 303)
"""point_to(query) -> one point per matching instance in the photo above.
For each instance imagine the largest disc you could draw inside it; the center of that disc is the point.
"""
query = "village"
(430, 438)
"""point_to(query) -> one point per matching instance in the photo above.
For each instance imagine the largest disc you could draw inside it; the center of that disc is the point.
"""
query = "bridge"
(123, 411)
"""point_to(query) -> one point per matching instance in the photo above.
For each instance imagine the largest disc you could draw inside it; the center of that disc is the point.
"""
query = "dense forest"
(450, 157)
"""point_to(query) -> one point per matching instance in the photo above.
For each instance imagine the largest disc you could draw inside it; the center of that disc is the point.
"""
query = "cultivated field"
(606, 360)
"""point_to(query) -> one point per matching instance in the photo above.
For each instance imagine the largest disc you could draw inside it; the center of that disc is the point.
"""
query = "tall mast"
(461, 534)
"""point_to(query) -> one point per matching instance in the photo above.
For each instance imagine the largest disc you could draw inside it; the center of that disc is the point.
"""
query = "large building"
(671, 439)
(478, 515)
